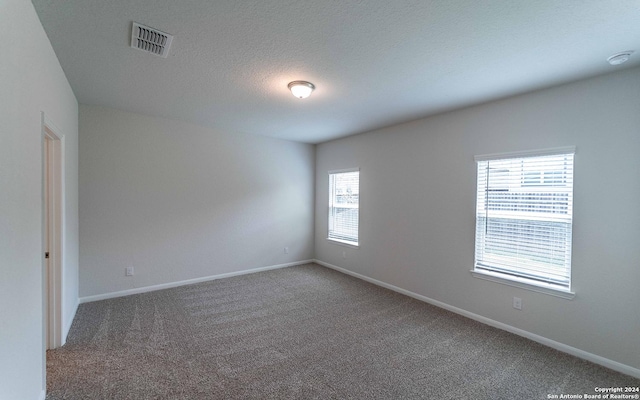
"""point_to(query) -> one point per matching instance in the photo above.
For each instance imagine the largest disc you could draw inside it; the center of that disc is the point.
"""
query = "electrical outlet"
(517, 303)
(128, 271)
(286, 250)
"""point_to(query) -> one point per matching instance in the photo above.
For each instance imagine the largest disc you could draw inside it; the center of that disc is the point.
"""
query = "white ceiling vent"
(150, 40)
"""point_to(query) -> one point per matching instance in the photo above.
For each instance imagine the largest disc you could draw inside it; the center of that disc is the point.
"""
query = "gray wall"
(418, 197)
(177, 201)
(31, 81)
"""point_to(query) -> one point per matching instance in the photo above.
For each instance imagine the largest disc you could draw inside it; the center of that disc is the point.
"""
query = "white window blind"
(344, 203)
(524, 218)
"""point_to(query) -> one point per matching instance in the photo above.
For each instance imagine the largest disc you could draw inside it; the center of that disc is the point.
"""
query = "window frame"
(342, 242)
(515, 280)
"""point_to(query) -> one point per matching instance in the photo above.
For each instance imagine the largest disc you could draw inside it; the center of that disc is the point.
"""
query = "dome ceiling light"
(301, 89)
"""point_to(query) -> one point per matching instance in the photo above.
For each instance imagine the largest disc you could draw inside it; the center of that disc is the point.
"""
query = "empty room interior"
(320, 199)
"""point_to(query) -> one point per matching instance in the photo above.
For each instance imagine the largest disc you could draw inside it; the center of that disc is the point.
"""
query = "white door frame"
(53, 231)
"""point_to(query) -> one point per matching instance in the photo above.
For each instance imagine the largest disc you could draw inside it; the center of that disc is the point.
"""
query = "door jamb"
(52, 279)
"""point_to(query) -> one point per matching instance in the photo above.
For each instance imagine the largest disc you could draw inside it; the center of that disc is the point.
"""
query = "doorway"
(53, 217)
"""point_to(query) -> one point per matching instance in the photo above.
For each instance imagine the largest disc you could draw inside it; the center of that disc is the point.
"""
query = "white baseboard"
(43, 395)
(605, 362)
(128, 292)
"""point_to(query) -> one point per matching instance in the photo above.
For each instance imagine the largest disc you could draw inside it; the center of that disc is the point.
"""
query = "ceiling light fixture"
(301, 89)
(620, 58)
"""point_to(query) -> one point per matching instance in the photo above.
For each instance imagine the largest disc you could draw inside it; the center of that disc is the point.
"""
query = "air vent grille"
(150, 40)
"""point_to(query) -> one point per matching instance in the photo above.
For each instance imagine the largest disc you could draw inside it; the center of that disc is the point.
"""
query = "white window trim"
(523, 283)
(515, 281)
(341, 171)
(345, 243)
(527, 153)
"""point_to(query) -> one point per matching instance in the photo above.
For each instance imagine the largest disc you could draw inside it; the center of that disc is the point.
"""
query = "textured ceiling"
(374, 62)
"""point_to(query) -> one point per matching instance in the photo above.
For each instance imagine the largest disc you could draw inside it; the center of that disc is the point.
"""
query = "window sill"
(523, 284)
(343, 243)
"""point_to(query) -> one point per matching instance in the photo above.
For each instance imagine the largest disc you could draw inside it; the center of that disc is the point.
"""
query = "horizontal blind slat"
(524, 215)
(344, 200)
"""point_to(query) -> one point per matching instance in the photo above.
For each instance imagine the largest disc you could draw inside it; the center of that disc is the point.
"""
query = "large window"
(344, 204)
(524, 217)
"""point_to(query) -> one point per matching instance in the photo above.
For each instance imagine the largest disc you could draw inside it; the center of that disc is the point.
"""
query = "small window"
(344, 205)
(524, 218)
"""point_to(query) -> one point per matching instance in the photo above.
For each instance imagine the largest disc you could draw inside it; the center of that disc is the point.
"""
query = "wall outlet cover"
(517, 303)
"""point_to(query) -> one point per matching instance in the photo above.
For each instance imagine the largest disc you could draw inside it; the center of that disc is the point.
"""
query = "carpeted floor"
(303, 332)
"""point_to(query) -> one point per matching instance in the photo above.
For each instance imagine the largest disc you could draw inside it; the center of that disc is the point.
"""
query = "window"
(524, 218)
(344, 204)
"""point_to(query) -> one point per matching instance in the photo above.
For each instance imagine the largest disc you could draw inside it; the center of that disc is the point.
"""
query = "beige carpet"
(303, 332)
